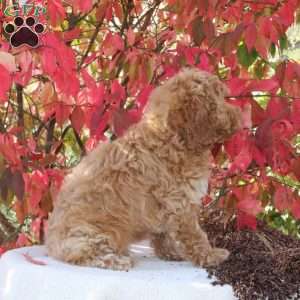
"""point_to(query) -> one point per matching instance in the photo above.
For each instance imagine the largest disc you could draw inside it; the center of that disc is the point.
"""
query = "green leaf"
(273, 49)
(245, 58)
(283, 42)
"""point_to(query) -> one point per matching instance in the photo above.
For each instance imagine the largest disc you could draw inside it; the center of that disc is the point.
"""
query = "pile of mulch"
(263, 264)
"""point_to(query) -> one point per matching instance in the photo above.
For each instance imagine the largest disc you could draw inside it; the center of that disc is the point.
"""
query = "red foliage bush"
(92, 73)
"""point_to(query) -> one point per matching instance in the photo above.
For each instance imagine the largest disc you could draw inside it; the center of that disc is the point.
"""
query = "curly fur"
(148, 182)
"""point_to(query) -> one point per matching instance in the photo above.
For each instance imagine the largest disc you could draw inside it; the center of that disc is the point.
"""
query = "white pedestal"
(150, 279)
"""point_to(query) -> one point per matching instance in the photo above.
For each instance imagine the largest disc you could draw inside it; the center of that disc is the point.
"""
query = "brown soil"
(263, 264)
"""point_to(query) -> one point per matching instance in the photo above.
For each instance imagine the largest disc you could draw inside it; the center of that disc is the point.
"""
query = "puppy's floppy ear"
(190, 122)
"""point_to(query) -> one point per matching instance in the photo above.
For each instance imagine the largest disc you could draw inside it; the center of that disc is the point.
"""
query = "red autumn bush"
(91, 76)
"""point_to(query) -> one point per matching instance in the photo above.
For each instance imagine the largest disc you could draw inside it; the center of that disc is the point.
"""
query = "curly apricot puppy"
(148, 182)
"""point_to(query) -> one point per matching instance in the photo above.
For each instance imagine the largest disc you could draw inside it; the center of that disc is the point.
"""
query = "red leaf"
(112, 44)
(6, 82)
(246, 116)
(263, 135)
(238, 141)
(283, 198)
(88, 79)
(266, 85)
(62, 112)
(143, 97)
(205, 63)
(18, 185)
(22, 240)
(278, 108)
(282, 129)
(24, 61)
(33, 260)
(20, 212)
(59, 62)
(295, 114)
(118, 42)
(250, 36)
(286, 13)
(72, 34)
(83, 6)
(258, 156)
(99, 122)
(295, 209)
(262, 46)
(296, 168)
(209, 29)
(117, 93)
(56, 12)
(35, 185)
(118, 10)
(206, 200)
(242, 160)
(250, 205)
(49, 61)
(8, 148)
(237, 86)
(245, 220)
(130, 37)
(257, 113)
(77, 119)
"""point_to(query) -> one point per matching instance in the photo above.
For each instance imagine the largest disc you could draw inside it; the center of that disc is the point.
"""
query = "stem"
(50, 135)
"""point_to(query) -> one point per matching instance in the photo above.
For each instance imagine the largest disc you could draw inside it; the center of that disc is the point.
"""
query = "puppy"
(147, 183)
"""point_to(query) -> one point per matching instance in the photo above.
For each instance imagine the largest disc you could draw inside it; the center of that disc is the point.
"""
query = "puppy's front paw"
(216, 256)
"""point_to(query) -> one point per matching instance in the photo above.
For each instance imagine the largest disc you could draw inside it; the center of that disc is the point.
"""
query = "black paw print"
(24, 31)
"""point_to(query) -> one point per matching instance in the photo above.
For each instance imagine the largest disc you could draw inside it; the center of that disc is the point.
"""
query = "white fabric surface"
(150, 279)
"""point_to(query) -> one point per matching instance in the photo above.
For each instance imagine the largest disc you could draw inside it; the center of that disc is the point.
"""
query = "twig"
(50, 135)
(65, 131)
(90, 46)
(147, 15)
(265, 95)
(265, 241)
(80, 143)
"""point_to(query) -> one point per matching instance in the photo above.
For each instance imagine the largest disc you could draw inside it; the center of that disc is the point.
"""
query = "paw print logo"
(24, 31)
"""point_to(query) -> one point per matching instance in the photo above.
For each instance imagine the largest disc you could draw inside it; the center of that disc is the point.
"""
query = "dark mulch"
(263, 264)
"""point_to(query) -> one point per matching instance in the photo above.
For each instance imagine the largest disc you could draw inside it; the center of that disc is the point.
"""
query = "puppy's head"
(191, 104)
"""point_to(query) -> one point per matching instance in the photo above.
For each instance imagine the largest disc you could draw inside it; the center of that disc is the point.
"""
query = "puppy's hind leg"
(91, 248)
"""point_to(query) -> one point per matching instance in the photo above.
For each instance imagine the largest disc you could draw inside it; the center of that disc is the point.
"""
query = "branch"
(78, 140)
(90, 46)
(74, 20)
(80, 143)
(127, 10)
(147, 15)
(20, 109)
(50, 135)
